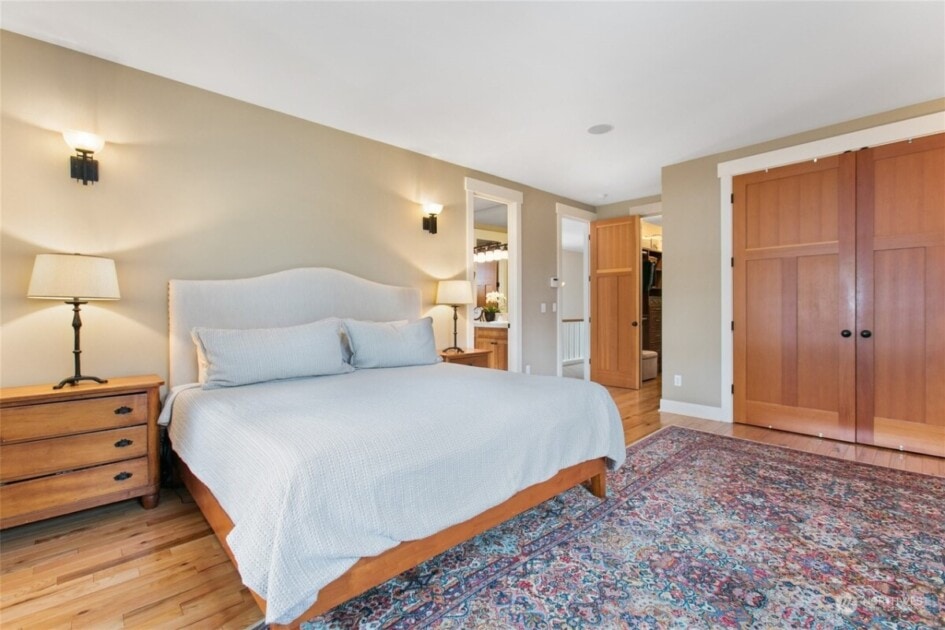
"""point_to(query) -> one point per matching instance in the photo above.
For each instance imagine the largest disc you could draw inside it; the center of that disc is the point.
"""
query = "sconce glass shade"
(73, 276)
(83, 141)
(454, 292)
(431, 210)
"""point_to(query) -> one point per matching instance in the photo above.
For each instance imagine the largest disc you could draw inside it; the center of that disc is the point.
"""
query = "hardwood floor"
(119, 566)
(639, 410)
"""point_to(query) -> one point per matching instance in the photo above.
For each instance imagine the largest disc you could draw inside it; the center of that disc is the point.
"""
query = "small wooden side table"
(473, 357)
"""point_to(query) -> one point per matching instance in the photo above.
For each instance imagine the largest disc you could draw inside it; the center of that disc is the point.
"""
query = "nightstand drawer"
(92, 414)
(56, 491)
(42, 457)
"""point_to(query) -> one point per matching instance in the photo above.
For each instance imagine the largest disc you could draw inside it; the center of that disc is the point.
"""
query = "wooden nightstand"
(78, 447)
(474, 357)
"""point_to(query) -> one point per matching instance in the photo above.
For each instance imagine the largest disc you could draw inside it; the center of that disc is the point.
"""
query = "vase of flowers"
(495, 303)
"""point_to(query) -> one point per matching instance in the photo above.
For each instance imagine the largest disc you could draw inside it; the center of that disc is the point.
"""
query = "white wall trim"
(874, 136)
(577, 214)
(693, 410)
(513, 199)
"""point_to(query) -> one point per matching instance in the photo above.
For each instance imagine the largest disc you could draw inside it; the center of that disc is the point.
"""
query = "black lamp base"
(74, 380)
(77, 351)
(454, 349)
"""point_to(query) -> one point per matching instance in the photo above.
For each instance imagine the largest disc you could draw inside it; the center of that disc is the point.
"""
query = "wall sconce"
(429, 221)
(81, 165)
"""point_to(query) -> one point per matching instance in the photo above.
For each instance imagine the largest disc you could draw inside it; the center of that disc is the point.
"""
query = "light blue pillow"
(391, 344)
(239, 357)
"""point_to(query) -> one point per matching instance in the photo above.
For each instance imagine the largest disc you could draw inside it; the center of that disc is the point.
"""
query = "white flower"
(496, 300)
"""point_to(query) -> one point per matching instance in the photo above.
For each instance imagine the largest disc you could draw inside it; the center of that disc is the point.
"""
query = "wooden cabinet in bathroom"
(497, 340)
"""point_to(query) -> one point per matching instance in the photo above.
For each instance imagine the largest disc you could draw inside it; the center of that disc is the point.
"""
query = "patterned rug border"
(798, 450)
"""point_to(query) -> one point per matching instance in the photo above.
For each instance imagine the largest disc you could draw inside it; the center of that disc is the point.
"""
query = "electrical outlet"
(544, 307)
(528, 369)
(677, 380)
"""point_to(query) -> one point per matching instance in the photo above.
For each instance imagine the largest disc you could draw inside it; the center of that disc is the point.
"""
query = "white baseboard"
(690, 409)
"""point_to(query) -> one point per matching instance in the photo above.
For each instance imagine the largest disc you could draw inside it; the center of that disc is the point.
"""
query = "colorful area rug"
(698, 531)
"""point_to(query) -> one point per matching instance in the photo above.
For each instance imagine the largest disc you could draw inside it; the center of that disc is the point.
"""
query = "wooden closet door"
(901, 295)
(794, 282)
(615, 302)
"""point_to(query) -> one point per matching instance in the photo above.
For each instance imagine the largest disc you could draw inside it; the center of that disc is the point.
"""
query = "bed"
(322, 487)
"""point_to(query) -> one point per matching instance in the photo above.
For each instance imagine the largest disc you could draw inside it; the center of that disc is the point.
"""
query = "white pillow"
(346, 345)
(391, 344)
(229, 358)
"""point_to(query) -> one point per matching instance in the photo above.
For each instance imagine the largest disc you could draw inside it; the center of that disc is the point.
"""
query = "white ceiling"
(510, 88)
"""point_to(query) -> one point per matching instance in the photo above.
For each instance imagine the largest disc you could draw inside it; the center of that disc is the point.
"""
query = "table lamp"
(454, 293)
(75, 279)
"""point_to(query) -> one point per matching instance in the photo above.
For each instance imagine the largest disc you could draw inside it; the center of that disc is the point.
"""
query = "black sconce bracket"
(83, 167)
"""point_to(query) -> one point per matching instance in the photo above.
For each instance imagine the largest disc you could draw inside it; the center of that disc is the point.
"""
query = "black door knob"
(634, 324)
(845, 333)
(865, 334)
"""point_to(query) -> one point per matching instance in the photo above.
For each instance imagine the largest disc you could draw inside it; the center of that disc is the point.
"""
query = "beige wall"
(197, 185)
(691, 261)
(643, 205)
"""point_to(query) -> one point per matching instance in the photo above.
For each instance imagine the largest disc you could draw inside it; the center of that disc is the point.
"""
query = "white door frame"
(513, 200)
(583, 216)
(884, 134)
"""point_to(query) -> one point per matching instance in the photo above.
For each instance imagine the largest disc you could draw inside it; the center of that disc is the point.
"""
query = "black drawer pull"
(122, 410)
(122, 476)
(122, 443)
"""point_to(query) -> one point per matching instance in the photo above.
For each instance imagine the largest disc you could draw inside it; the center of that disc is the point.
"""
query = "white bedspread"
(316, 473)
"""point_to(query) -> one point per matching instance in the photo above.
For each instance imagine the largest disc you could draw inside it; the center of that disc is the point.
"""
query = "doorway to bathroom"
(493, 228)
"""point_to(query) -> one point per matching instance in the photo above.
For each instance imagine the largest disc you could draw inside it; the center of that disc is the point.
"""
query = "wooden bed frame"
(369, 572)
(299, 296)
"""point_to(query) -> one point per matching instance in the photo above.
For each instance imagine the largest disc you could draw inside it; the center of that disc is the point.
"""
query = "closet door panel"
(818, 356)
(763, 322)
(794, 282)
(900, 284)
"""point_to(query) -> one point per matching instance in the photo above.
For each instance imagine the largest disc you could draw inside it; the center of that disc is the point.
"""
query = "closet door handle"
(634, 324)
(846, 333)
(866, 334)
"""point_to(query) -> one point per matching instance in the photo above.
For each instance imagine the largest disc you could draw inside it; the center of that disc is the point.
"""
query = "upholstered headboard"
(285, 298)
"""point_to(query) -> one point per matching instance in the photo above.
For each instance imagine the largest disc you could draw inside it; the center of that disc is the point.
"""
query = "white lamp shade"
(454, 292)
(68, 276)
(432, 208)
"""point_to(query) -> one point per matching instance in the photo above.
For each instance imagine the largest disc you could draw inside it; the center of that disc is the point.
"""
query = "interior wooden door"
(615, 302)
(794, 297)
(901, 295)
